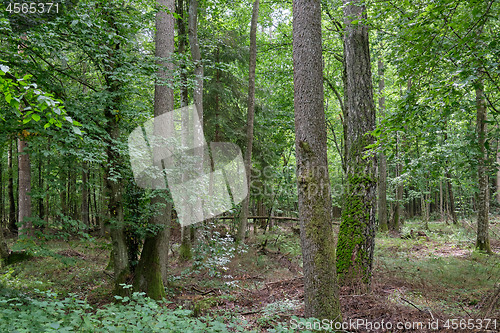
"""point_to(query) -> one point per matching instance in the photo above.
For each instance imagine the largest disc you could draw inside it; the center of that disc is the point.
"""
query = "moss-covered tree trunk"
(151, 272)
(482, 241)
(148, 276)
(314, 196)
(382, 171)
(357, 229)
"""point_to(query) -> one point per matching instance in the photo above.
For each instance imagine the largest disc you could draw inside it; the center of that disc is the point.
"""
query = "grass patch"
(441, 271)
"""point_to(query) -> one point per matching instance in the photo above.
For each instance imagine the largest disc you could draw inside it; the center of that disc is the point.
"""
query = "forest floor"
(420, 276)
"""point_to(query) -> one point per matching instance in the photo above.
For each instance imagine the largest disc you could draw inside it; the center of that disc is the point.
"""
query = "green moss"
(353, 256)
(185, 253)
(148, 273)
(320, 233)
(203, 305)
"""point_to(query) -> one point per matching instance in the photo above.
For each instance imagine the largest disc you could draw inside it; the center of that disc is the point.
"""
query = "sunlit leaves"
(29, 103)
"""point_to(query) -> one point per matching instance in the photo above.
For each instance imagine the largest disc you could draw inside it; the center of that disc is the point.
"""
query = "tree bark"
(10, 190)
(151, 272)
(217, 102)
(314, 196)
(72, 197)
(196, 56)
(4, 250)
(250, 120)
(41, 210)
(113, 195)
(498, 178)
(441, 210)
(396, 214)
(483, 241)
(64, 180)
(357, 229)
(112, 178)
(451, 198)
(85, 195)
(24, 204)
(2, 191)
(185, 252)
(382, 171)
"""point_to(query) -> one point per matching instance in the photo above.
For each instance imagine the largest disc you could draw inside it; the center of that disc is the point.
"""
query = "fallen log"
(261, 217)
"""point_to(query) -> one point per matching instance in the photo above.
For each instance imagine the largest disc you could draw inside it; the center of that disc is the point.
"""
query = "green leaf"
(55, 325)
(36, 117)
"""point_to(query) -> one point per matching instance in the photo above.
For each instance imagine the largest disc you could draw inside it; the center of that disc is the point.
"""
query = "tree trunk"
(498, 179)
(357, 229)
(4, 250)
(47, 196)
(250, 120)
(41, 210)
(441, 209)
(382, 172)
(2, 191)
(113, 194)
(451, 197)
(72, 197)
(185, 252)
(85, 195)
(62, 195)
(151, 272)
(314, 198)
(113, 182)
(483, 241)
(396, 214)
(24, 204)
(217, 103)
(196, 56)
(425, 207)
(10, 190)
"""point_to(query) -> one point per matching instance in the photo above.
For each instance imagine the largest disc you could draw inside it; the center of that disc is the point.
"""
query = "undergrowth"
(43, 311)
